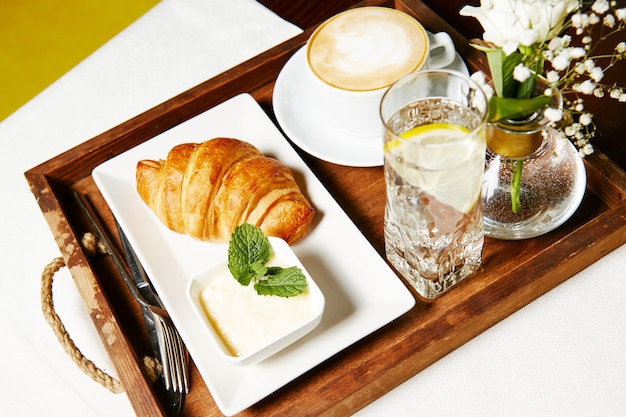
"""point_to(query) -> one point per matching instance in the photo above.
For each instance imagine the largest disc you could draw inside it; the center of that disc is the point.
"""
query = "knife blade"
(139, 286)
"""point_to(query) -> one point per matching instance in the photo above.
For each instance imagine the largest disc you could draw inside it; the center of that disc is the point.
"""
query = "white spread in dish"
(245, 320)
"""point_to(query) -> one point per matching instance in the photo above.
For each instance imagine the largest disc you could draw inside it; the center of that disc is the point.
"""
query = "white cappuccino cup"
(353, 58)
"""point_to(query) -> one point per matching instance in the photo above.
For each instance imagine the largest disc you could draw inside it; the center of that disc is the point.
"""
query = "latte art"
(367, 48)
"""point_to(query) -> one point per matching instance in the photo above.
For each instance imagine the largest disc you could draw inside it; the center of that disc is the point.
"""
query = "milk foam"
(367, 48)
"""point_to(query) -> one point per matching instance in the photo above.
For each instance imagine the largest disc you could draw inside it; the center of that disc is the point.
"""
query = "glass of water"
(434, 162)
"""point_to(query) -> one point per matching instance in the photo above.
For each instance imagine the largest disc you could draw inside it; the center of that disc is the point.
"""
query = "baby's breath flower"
(596, 74)
(586, 87)
(600, 6)
(576, 52)
(585, 119)
(521, 73)
(571, 129)
(556, 44)
(589, 65)
(554, 115)
(561, 61)
(620, 48)
(553, 77)
(615, 93)
(621, 14)
(609, 21)
(480, 79)
(580, 20)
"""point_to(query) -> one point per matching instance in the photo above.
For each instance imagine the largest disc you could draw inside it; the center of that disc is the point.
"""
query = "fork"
(164, 337)
(172, 348)
(174, 355)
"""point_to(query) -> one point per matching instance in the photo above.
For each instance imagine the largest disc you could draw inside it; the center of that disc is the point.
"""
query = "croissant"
(207, 189)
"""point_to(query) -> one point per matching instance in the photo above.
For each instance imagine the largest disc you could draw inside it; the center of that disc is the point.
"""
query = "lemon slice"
(444, 160)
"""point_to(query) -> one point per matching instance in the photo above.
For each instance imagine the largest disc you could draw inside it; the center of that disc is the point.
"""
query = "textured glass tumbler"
(434, 156)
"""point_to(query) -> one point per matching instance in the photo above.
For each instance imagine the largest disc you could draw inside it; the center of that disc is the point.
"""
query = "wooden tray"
(513, 273)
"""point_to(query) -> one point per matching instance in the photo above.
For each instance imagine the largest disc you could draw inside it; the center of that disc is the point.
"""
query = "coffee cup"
(353, 58)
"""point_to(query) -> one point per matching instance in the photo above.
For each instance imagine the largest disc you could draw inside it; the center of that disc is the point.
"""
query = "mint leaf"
(248, 252)
(287, 282)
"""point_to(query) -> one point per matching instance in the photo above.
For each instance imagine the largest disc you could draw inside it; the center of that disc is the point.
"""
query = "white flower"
(509, 47)
(576, 53)
(615, 93)
(621, 14)
(589, 65)
(620, 48)
(561, 61)
(480, 79)
(553, 77)
(521, 73)
(587, 149)
(609, 21)
(509, 21)
(580, 21)
(585, 119)
(600, 6)
(596, 74)
(528, 37)
(572, 129)
(555, 44)
(554, 115)
(586, 87)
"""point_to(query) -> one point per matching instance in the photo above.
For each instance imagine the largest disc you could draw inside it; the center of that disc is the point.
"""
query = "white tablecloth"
(564, 354)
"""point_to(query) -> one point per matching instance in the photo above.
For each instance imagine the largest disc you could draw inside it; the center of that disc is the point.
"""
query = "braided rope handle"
(53, 319)
(151, 367)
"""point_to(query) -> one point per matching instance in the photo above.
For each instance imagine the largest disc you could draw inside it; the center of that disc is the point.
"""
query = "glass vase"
(542, 167)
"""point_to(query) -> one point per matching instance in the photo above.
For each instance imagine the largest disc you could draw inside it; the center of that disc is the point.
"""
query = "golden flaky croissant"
(205, 190)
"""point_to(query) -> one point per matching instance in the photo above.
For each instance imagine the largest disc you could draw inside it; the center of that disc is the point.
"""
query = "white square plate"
(362, 292)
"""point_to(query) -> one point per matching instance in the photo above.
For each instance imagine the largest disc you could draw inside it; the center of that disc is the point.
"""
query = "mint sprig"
(248, 254)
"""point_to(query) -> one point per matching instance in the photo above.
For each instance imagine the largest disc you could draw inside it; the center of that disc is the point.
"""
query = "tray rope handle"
(151, 367)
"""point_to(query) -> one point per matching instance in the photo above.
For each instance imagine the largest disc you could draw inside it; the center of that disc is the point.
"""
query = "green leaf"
(503, 108)
(287, 282)
(501, 67)
(248, 252)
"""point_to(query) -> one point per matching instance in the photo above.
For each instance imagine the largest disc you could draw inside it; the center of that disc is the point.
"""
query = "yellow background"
(40, 40)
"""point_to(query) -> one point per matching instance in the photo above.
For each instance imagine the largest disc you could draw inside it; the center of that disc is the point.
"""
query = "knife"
(160, 329)
(165, 346)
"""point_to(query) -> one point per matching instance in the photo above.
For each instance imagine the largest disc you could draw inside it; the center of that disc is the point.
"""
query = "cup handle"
(442, 51)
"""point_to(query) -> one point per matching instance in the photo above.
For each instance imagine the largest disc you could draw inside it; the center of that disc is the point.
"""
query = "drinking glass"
(434, 157)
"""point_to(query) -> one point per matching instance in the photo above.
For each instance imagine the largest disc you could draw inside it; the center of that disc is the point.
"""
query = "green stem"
(515, 186)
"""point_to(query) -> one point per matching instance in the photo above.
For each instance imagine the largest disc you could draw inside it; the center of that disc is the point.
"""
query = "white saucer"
(305, 127)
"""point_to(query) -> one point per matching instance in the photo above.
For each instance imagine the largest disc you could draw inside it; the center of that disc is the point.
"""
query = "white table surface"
(562, 355)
